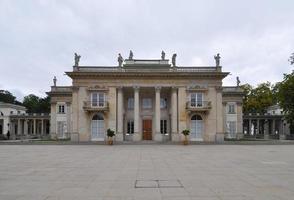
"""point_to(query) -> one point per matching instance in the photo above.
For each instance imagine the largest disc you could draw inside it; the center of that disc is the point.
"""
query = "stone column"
(249, 128)
(42, 127)
(18, 127)
(174, 114)
(34, 126)
(137, 135)
(266, 129)
(25, 124)
(158, 136)
(119, 136)
(257, 126)
(274, 127)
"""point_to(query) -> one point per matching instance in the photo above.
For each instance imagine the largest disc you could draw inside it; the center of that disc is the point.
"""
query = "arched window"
(98, 117)
(196, 117)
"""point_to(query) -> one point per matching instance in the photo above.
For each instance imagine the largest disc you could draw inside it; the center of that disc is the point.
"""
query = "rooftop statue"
(54, 81)
(217, 60)
(77, 59)
(238, 81)
(162, 55)
(120, 60)
(174, 59)
(131, 55)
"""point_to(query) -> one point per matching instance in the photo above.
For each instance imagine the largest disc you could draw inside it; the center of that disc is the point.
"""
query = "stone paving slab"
(208, 172)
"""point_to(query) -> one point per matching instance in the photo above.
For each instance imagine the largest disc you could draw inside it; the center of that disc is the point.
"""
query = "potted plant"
(110, 134)
(186, 132)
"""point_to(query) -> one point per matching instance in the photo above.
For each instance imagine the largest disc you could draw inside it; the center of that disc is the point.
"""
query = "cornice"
(89, 75)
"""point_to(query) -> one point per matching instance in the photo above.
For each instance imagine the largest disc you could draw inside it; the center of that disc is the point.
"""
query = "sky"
(38, 39)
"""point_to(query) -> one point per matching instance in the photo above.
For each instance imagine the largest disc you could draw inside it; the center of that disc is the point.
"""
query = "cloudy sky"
(39, 37)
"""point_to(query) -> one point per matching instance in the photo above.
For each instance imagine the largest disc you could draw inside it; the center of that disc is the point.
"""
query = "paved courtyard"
(129, 172)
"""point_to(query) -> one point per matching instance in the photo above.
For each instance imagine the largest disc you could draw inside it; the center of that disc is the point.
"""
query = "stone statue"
(162, 55)
(131, 55)
(238, 81)
(77, 59)
(217, 60)
(174, 59)
(120, 60)
(54, 81)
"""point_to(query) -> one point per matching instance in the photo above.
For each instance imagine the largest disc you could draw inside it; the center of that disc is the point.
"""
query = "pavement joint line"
(157, 183)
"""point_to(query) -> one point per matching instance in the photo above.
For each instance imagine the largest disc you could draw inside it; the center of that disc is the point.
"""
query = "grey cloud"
(38, 38)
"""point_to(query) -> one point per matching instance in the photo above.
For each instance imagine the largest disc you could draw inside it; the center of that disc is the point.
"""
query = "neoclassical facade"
(146, 100)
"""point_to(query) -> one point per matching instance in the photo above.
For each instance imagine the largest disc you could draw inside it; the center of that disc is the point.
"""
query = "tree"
(31, 102)
(44, 105)
(6, 97)
(285, 96)
(257, 99)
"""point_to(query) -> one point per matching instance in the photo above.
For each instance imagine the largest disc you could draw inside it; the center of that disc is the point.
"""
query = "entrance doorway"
(97, 132)
(147, 129)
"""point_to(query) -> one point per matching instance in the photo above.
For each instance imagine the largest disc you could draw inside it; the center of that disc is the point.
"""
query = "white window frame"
(130, 127)
(100, 99)
(61, 129)
(163, 126)
(195, 101)
(61, 108)
(232, 129)
(230, 110)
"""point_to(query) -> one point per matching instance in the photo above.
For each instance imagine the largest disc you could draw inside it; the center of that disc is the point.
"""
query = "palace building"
(146, 100)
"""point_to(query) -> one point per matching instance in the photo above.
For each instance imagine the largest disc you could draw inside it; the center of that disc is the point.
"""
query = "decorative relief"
(97, 88)
(197, 87)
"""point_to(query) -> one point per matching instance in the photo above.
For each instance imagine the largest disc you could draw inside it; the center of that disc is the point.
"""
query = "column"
(257, 124)
(25, 127)
(174, 114)
(18, 127)
(266, 129)
(137, 135)
(249, 128)
(34, 127)
(42, 126)
(274, 127)
(158, 136)
(119, 136)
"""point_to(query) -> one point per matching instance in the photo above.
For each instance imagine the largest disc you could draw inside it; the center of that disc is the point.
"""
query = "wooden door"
(147, 129)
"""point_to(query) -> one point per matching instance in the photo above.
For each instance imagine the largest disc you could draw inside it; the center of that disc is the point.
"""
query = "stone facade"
(145, 100)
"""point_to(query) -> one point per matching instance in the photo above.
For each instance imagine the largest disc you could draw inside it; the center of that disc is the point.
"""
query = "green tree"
(285, 96)
(6, 96)
(257, 99)
(31, 102)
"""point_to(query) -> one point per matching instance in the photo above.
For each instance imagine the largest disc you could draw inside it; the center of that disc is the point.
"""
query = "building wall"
(79, 120)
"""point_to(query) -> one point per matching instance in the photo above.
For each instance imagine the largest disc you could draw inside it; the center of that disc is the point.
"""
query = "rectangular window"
(98, 99)
(196, 100)
(147, 103)
(163, 126)
(163, 103)
(61, 109)
(130, 103)
(130, 127)
(231, 109)
(61, 129)
(231, 129)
